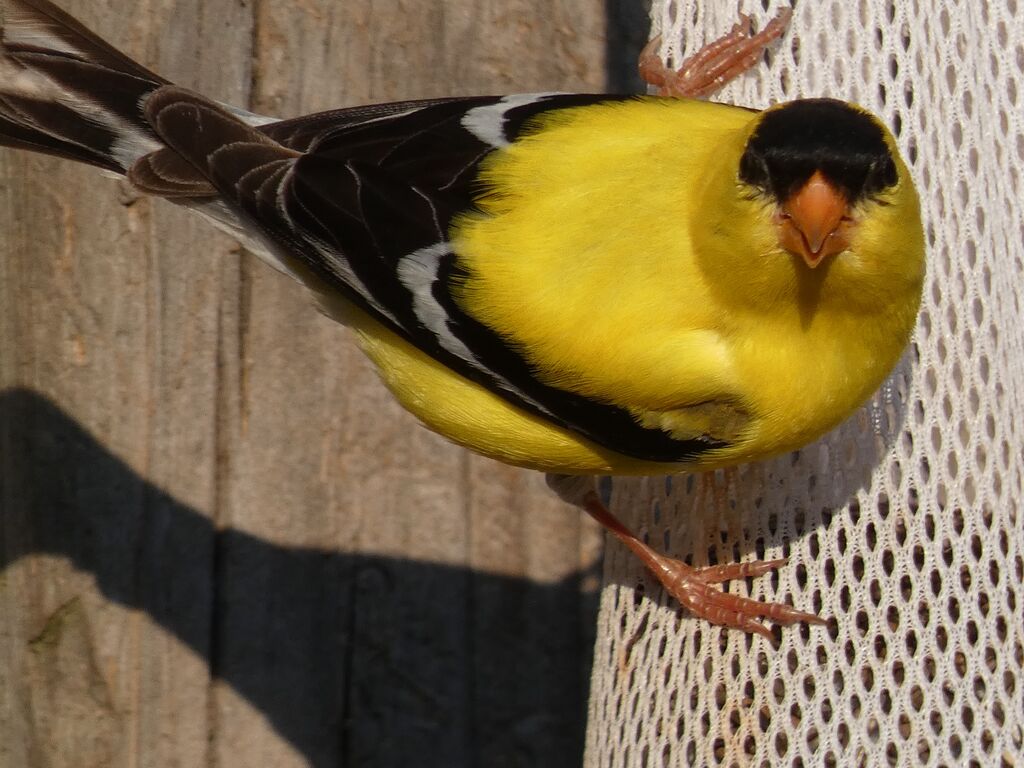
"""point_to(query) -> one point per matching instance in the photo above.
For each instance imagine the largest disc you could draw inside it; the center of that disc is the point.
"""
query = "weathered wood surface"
(221, 543)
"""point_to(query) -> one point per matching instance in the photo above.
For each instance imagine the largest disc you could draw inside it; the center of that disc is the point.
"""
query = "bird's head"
(818, 160)
(834, 203)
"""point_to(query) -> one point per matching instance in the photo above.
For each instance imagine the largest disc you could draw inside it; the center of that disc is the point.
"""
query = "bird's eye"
(881, 175)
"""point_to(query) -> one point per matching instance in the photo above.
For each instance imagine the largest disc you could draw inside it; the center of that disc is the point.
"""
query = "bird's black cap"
(796, 139)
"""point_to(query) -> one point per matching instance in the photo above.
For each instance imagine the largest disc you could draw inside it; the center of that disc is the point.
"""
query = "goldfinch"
(579, 284)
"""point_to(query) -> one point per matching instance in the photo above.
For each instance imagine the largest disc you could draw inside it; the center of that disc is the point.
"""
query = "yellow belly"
(474, 417)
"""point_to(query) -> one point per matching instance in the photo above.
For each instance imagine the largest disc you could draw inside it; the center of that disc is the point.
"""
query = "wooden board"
(221, 542)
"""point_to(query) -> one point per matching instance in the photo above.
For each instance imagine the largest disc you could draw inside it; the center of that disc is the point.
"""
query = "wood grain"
(221, 542)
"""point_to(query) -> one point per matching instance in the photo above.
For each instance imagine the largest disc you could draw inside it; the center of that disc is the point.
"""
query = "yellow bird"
(579, 284)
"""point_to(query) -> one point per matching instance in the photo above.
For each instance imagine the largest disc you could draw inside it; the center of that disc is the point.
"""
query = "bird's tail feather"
(66, 92)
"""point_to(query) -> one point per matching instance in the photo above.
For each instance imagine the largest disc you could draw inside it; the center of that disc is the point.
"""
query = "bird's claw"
(714, 65)
(694, 587)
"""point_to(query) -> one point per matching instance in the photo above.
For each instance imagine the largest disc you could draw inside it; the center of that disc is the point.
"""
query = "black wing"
(363, 199)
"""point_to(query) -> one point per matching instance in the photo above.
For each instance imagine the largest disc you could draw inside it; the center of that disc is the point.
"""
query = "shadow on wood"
(628, 30)
(354, 659)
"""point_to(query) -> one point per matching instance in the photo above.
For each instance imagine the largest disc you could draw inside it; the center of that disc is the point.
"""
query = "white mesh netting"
(905, 524)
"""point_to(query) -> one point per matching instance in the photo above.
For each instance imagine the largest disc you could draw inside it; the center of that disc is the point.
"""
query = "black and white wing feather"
(360, 203)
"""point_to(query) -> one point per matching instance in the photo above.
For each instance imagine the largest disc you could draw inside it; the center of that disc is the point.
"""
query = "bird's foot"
(694, 587)
(714, 65)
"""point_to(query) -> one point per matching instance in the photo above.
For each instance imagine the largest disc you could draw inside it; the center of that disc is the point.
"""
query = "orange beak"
(815, 221)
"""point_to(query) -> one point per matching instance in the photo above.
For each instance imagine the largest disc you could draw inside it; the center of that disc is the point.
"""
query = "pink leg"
(692, 587)
(716, 63)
